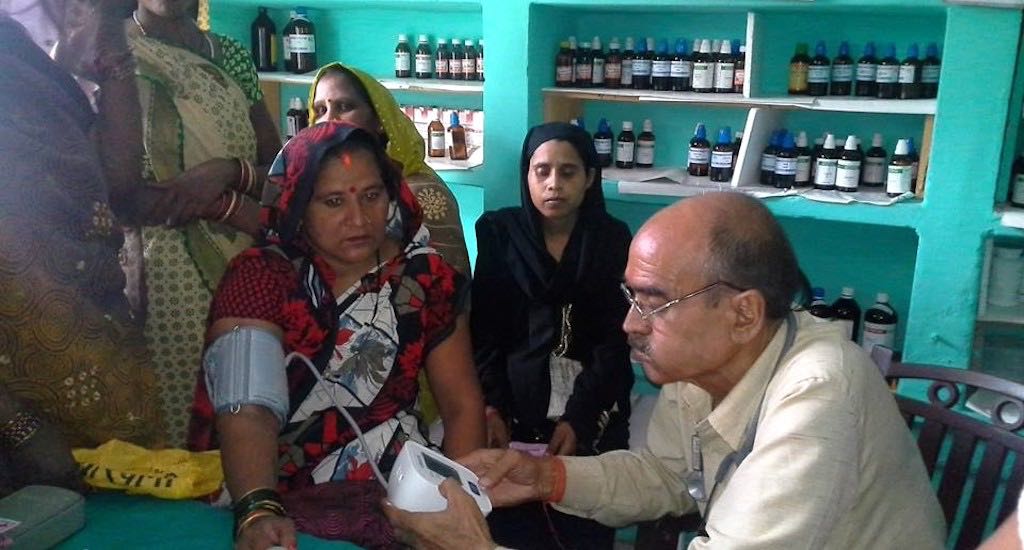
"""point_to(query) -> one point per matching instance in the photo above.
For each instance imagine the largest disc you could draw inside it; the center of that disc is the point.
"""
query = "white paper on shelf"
(691, 187)
(879, 198)
(677, 175)
(1011, 217)
(765, 192)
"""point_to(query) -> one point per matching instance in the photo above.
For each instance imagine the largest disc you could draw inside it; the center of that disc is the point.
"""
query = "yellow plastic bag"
(167, 473)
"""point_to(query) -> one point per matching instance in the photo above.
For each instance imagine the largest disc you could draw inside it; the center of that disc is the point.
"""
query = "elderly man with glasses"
(776, 428)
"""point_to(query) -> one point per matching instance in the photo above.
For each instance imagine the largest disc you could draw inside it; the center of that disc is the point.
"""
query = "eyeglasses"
(646, 315)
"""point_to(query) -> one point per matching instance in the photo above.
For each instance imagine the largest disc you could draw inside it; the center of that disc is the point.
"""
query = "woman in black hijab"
(546, 322)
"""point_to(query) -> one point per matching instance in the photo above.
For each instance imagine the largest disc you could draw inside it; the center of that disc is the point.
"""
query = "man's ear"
(748, 309)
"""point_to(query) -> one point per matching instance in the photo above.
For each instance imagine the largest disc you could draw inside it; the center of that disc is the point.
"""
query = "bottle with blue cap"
(578, 122)
(603, 143)
(458, 149)
(722, 157)
(642, 65)
(910, 75)
(887, 75)
(820, 309)
(661, 68)
(681, 67)
(299, 43)
(842, 71)
(867, 69)
(698, 158)
(785, 163)
(930, 69)
(819, 71)
(768, 160)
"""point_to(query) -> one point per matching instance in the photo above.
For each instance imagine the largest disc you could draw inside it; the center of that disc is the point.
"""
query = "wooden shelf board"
(841, 104)
(398, 84)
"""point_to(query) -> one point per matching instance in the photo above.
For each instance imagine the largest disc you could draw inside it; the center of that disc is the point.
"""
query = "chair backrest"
(955, 443)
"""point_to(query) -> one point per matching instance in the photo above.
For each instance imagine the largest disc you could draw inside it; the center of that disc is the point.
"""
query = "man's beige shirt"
(833, 464)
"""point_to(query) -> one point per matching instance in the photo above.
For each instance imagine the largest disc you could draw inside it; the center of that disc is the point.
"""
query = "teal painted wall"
(927, 256)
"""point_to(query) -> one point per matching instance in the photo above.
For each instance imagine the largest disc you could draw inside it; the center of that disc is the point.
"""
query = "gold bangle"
(251, 517)
(231, 207)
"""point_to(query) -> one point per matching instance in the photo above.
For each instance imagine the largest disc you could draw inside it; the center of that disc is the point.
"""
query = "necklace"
(135, 17)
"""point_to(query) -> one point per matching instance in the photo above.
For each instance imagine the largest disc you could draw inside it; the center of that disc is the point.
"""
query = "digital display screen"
(441, 468)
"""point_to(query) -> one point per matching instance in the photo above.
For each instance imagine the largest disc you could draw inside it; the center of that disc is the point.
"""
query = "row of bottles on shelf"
(458, 140)
(789, 162)
(711, 66)
(298, 42)
(879, 320)
(460, 62)
(885, 78)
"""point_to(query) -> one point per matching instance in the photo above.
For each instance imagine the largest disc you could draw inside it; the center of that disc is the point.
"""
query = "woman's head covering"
(292, 178)
(404, 142)
(593, 200)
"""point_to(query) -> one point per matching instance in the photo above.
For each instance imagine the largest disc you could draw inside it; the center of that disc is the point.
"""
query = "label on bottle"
(768, 162)
(845, 327)
(842, 73)
(848, 174)
(679, 69)
(738, 78)
(930, 74)
(402, 61)
(721, 159)
(624, 151)
(661, 68)
(645, 152)
(698, 155)
(866, 72)
(907, 74)
(887, 74)
(703, 76)
(603, 146)
(441, 66)
(627, 72)
(455, 66)
(642, 67)
(424, 63)
(785, 166)
(584, 71)
(797, 77)
(803, 168)
(612, 71)
(874, 170)
(597, 74)
(899, 178)
(825, 173)
(469, 68)
(1017, 196)
(818, 74)
(563, 74)
(724, 73)
(300, 43)
(878, 334)
(293, 126)
(437, 140)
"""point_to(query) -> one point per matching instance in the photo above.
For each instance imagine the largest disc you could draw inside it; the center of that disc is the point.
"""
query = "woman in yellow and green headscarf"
(345, 93)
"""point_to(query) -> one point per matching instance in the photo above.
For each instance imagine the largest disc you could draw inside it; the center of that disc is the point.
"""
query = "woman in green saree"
(208, 138)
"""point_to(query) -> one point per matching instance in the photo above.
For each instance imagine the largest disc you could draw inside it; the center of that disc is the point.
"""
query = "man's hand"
(563, 440)
(461, 526)
(265, 532)
(511, 477)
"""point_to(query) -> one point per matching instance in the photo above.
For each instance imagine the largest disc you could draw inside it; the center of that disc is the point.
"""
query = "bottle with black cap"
(645, 146)
(625, 146)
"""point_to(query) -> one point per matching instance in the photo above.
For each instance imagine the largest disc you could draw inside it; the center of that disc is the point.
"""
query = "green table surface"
(116, 520)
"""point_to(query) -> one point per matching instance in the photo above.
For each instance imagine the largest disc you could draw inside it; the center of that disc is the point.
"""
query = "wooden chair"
(967, 455)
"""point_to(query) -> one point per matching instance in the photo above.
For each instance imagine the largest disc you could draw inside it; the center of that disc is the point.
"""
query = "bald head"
(727, 237)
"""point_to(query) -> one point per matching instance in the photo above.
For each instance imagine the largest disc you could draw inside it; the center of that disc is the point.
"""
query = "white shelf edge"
(403, 84)
(852, 104)
(1010, 216)
(1013, 315)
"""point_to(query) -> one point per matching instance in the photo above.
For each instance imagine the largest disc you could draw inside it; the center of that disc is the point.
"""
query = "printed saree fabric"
(67, 343)
(194, 109)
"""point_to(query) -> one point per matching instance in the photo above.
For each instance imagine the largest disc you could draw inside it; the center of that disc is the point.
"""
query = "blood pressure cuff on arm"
(246, 367)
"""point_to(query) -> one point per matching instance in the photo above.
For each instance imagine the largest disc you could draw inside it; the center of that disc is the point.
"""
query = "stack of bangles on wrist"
(230, 204)
(256, 504)
(247, 180)
(18, 430)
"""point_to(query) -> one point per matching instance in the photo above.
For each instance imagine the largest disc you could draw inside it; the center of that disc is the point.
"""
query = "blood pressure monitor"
(417, 473)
